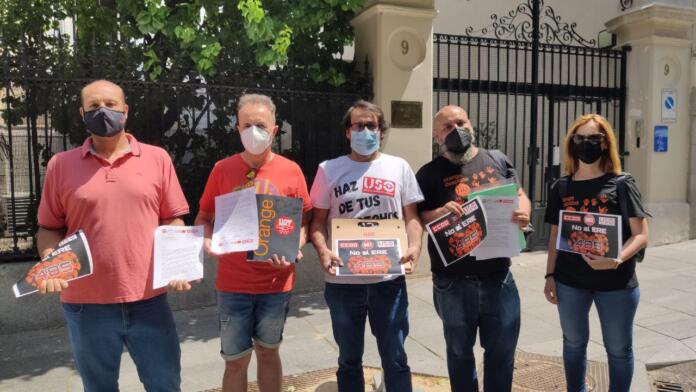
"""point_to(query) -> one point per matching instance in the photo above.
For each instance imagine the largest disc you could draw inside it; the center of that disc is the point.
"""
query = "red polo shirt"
(118, 205)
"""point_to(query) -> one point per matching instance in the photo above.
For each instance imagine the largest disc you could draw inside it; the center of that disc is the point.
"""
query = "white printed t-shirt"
(377, 189)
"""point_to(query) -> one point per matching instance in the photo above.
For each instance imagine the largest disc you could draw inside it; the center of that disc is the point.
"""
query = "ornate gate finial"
(517, 25)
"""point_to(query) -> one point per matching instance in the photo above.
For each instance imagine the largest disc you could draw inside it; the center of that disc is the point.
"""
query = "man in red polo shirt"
(118, 191)
(253, 297)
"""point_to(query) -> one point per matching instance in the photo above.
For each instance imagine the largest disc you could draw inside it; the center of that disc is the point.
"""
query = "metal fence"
(194, 122)
(522, 94)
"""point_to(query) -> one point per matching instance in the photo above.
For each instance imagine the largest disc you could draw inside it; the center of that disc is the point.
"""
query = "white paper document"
(236, 227)
(178, 254)
(503, 234)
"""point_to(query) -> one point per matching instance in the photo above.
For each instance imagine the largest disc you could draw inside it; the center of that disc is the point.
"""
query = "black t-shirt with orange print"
(598, 195)
(442, 181)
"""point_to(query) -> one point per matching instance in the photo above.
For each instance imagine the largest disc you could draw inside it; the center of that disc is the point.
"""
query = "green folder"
(503, 190)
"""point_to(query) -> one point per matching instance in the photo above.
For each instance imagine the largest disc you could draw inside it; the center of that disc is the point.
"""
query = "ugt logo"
(588, 220)
(284, 225)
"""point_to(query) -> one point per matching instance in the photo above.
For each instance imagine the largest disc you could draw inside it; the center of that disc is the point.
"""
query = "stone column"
(396, 39)
(658, 88)
(691, 195)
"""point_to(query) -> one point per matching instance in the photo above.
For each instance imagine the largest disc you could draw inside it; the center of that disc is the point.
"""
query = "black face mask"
(587, 152)
(105, 122)
(458, 141)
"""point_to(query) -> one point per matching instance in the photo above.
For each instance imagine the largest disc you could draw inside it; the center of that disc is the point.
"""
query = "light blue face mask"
(364, 142)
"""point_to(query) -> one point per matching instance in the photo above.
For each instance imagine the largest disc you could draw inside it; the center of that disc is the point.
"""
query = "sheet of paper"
(503, 190)
(178, 254)
(503, 234)
(236, 227)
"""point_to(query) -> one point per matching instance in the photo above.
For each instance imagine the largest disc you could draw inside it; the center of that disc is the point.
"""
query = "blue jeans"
(490, 304)
(386, 305)
(98, 333)
(616, 311)
(244, 317)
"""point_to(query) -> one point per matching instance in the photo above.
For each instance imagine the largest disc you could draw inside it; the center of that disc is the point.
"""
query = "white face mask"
(256, 140)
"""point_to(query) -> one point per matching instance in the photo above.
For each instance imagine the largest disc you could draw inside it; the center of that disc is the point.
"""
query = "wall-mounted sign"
(406, 114)
(669, 105)
(661, 138)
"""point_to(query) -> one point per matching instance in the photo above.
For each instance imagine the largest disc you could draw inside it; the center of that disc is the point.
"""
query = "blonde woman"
(594, 183)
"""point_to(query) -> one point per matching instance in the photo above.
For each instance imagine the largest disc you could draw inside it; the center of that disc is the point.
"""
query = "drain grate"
(324, 380)
(317, 380)
(309, 381)
(662, 386)
(680, 377)
(533, 373)
(543, 373)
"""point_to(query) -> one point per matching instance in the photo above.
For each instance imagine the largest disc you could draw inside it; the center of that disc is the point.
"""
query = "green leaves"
(270, 37)
(282, 43)
(169, 39)
(153, 18)
(152, 64)
(185, 34)
(252, 10)
(206, 60)
(329, 75)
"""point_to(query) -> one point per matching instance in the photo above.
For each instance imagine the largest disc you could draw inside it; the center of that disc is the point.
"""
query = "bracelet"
(550, 274)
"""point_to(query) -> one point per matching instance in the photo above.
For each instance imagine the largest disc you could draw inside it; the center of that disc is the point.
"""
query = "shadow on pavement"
(31, 354)
(303, 305)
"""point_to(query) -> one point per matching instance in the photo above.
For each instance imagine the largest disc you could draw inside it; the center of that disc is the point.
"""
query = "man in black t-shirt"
(471, 294)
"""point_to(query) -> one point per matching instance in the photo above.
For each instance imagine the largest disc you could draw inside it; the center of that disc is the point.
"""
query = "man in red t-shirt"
(253, 297)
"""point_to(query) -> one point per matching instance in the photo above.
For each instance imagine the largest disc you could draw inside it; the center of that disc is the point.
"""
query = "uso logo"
(588, 220)
(378, 186)
(607, 221)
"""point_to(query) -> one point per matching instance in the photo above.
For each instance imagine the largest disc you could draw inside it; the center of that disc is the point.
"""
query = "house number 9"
(404, 47)
(666, 69)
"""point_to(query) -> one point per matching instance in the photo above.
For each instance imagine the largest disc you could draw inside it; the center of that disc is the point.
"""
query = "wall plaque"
(406, 114)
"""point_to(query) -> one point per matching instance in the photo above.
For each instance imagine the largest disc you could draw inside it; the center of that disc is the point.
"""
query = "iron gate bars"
(523, 93)
(194, 122)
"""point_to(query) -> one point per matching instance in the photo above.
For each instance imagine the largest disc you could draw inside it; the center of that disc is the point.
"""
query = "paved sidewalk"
(665, 331)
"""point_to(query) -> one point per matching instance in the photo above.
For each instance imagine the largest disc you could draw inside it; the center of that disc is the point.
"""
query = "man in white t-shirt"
(370, 185)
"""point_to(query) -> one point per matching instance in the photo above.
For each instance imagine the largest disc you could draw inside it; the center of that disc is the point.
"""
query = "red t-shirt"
(281, 177)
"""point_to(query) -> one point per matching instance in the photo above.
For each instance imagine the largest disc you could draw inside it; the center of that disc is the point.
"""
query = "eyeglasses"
(595, 138)
(359, 126)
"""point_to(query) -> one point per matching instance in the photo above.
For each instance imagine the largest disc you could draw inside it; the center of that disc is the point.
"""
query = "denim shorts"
(248, 319)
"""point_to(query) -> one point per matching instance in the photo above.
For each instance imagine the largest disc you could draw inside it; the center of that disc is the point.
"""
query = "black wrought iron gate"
(523, 80)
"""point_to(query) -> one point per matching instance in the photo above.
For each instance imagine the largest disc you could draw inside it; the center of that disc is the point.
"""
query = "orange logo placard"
(462, 190)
